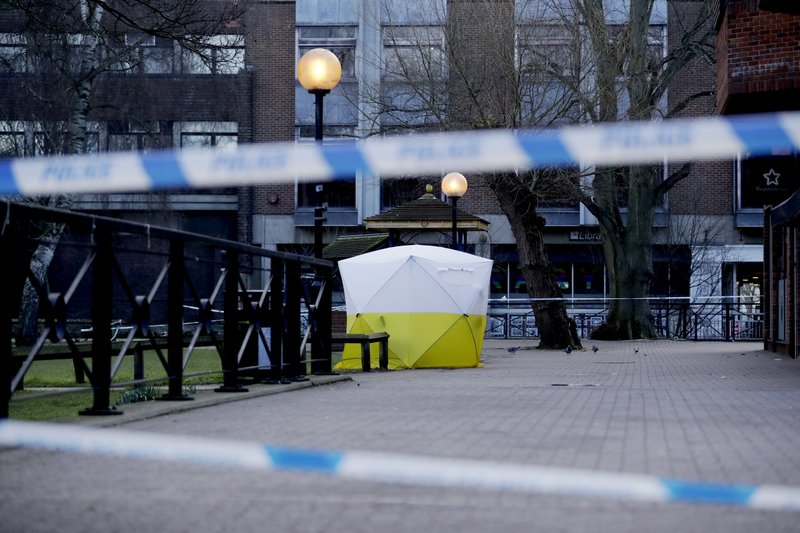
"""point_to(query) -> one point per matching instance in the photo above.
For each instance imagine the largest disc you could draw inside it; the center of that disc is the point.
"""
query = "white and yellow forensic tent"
(431, 300)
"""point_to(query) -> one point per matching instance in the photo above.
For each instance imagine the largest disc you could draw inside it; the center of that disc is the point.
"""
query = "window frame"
(304, 43)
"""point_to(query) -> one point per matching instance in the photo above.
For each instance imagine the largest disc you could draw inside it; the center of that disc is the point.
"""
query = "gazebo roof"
(352, 245)
(425, 213)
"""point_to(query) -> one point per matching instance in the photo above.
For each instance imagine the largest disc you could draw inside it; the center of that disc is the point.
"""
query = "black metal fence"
(709, 319)
(115, 287)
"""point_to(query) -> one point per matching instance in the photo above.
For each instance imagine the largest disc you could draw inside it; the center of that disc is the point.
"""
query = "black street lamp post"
(454, 185)
(319, 71)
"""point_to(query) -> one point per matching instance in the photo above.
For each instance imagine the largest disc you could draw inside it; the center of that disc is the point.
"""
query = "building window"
(767, 180)
(215, 54)
(12, 139)
(306, 132)
(654, 60)
(341, 40)
(12, 53)
(413, 52)
(221, 135)
(547, 52)
(54, 139)
(144, 54)
(77, 48)
(399, 191)
(138, 136)
(338, 194)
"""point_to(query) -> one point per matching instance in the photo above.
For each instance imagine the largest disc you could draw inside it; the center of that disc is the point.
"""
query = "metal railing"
(725, 318)
(116, 279)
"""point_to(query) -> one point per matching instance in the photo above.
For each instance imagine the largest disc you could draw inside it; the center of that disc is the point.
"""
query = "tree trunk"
(628, 249)
(29, 310)
(556, 328)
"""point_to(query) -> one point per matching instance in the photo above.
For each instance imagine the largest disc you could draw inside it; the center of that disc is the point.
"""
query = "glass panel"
(226, 142)
(346, 55)
(414, 51)
(229, 60)
(768, 180)
(196, 140)
(327, 32)
(12, 52)
(12, 144)
(120, 143)
(193, 63)
(588, 279)
(157, 60)
(339, 193)
(399, 191)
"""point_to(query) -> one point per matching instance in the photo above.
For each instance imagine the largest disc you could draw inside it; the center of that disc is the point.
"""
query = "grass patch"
(61, 374)
(52, 407)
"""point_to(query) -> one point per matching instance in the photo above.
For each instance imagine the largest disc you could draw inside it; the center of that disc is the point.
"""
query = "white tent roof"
(418, 279)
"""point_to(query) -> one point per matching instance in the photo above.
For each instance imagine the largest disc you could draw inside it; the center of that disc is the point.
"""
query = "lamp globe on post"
(319, 72)
(454, 186)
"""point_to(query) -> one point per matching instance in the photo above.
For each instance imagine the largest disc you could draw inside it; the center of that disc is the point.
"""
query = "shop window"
(767, 180)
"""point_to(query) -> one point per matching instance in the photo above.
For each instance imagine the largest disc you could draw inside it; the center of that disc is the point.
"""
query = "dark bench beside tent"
(365, 339)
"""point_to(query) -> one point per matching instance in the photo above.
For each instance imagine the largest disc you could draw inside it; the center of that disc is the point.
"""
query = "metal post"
(6, 270)
(276, 312)
(727, 321)
(454, 242)
(319, 188)
(291, 333)
(102, 292)
(175, 322)
(322, 363)
(230, 329)
(138, 364)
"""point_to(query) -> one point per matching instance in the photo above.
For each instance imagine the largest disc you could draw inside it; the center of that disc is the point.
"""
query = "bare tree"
(64, 49)
(631, 75)
(542, 63)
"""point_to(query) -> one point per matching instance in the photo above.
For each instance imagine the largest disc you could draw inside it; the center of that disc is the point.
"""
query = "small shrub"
(138, 394)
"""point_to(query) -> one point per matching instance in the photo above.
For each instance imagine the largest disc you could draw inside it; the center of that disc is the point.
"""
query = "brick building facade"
(261, 101)
(167, 98)
(711, 228)
(758, 46)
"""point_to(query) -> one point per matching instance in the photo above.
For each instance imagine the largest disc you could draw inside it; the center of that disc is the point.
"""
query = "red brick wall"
(709, 188)
(758, 52)
(270, 30)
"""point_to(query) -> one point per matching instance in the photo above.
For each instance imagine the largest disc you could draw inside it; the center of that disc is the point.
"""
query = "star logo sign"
(771, 177)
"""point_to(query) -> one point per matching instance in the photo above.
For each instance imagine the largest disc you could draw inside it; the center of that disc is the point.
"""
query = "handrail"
(220, 286)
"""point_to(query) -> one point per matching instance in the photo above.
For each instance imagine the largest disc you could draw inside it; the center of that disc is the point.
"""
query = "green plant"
(137, 394)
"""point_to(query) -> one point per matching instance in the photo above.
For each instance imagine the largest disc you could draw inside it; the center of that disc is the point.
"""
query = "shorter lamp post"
(318, 71)
(454, 185)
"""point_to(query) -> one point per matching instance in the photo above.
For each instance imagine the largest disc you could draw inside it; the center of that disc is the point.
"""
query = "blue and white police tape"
(422, 154)
(394, 468)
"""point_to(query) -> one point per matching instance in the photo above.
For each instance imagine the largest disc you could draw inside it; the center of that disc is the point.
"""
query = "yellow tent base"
(419, 340)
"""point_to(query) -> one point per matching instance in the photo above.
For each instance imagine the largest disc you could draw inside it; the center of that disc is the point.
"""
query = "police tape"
(407, 155)
(395, 468)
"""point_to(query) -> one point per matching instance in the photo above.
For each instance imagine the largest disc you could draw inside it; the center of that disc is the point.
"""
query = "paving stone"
(716, 412)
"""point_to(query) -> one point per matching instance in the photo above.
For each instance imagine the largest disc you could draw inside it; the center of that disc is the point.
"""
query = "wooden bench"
(365, 340)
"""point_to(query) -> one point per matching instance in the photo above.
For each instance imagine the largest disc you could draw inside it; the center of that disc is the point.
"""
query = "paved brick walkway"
(723, 412)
